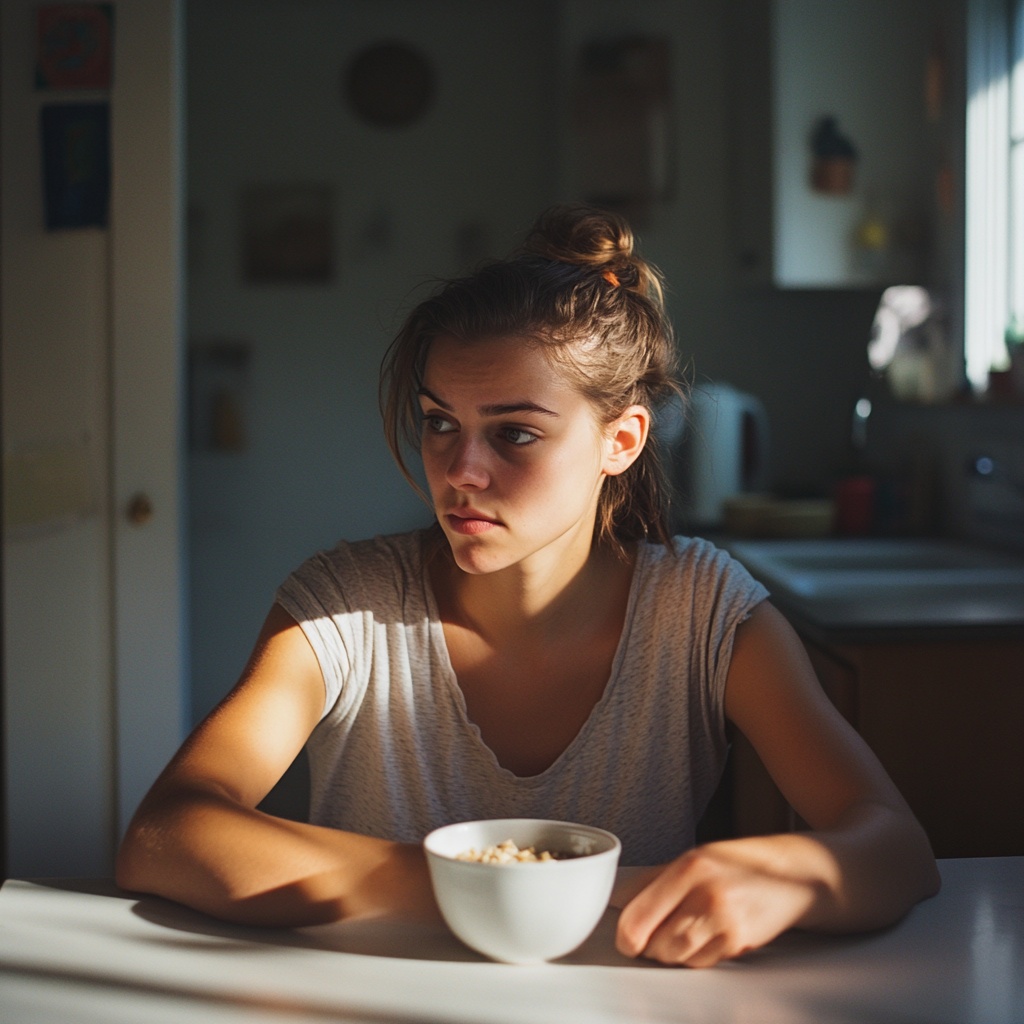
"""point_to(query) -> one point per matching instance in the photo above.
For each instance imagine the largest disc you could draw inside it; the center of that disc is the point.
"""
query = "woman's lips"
(470, 523)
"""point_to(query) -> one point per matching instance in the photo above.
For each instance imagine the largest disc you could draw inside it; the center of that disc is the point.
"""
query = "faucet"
(859, 426)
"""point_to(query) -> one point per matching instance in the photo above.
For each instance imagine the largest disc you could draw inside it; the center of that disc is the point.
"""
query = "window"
(994, 286)
(1016, 184)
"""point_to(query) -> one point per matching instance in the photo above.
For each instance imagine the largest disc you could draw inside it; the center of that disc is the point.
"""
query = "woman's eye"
(518, 437)
(438, 424)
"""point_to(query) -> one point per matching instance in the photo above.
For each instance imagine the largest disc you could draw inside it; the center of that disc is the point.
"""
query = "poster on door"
(74, 46)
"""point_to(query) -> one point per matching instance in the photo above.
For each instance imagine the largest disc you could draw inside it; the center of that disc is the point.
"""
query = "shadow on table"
(376, 937)
(419, 940)
(384, 937)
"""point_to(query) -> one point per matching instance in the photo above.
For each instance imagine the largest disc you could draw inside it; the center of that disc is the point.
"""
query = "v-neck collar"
(451, 682)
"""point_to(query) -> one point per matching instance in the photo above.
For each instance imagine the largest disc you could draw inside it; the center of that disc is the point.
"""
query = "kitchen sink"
(889, 581)
(826, 565)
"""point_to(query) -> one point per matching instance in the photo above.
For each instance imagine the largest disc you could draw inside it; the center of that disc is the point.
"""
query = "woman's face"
(514, 456)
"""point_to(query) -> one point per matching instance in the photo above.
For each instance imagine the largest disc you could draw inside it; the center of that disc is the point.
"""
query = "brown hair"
(577, 288)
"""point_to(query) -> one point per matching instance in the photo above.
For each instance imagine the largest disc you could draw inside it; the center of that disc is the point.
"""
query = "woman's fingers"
(645, 912)
(678, 938)
(689, 940)
(709, 905)
(670, 905)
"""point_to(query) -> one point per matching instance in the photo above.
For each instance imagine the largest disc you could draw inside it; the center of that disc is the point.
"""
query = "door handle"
(140, 510)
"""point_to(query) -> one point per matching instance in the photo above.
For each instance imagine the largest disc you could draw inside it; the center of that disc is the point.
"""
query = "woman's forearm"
(724, 898)
(874, 865)
(865, 872)
(207, 851)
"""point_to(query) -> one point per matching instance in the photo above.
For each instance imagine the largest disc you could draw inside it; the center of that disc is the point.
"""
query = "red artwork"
(74, 46)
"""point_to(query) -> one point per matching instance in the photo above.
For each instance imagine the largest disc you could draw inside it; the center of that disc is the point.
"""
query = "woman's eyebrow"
(427, 393)
(496, 409)
(508, 408)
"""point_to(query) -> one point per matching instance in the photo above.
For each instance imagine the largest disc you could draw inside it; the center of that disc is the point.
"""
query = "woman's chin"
(476, 559)
(478, 566)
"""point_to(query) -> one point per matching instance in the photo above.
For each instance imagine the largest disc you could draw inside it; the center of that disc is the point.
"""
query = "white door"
(146, 387)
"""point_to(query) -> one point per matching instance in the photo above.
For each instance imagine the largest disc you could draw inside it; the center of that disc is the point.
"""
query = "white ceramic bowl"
(524, 912)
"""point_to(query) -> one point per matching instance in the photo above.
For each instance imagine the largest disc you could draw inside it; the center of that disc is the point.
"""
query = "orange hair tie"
(611, 278)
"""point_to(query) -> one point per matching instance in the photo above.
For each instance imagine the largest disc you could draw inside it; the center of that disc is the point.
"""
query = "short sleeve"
(314, 597)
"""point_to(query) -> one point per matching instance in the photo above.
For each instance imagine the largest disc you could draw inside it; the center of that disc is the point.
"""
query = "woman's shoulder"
(370, 569)
(378, 550)
(381, 548)
(684, 552)
(695, 562)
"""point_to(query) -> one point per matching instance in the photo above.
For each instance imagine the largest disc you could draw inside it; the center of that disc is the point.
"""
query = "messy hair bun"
(577, 288)
(597, 240)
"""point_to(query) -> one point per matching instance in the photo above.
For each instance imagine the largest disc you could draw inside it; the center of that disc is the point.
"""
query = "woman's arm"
(198, 838)
(864, 862)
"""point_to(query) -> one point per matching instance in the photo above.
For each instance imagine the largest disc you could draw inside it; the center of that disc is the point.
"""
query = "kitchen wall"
(265, 105)
(955, 469)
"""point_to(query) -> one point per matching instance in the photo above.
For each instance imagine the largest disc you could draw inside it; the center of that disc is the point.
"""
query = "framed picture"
(623, 125)
(218, 372)
(287, 234)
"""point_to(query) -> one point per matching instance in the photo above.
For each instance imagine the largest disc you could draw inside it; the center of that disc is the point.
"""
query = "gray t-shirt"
(395, 754)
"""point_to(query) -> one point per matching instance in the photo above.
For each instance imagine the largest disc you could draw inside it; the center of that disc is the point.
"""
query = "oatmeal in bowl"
(522, 890)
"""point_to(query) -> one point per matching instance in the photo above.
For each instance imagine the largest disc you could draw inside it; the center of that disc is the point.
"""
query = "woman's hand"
(713, 903)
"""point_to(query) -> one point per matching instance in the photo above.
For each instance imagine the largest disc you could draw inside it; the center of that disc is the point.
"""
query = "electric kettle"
(720, 450)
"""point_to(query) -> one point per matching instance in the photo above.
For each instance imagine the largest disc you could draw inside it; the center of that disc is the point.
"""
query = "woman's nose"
(468, 464)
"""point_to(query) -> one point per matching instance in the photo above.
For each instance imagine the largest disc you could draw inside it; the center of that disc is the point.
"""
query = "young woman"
(545, 649)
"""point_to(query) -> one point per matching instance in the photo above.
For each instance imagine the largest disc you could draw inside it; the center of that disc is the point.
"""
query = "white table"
(84, 952)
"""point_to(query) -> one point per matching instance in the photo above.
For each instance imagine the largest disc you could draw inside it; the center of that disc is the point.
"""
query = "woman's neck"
(546, 598)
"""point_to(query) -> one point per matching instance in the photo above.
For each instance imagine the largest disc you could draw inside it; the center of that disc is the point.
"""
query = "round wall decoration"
(390, 84)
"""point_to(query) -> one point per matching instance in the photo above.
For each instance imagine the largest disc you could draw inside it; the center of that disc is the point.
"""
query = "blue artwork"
(76, 164)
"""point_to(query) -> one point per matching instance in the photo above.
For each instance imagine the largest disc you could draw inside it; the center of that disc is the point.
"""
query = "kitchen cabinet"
(945, 718)
(806, 215)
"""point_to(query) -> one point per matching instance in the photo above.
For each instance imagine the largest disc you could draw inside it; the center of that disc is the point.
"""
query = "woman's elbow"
(930, 880)
(133, 854)
(918, 877)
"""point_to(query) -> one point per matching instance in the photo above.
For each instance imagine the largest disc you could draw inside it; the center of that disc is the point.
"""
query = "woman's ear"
(625, 439)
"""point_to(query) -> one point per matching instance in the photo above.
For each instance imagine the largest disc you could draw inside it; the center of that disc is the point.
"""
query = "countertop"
(860, 621)
(841, 602)
(86, 952)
